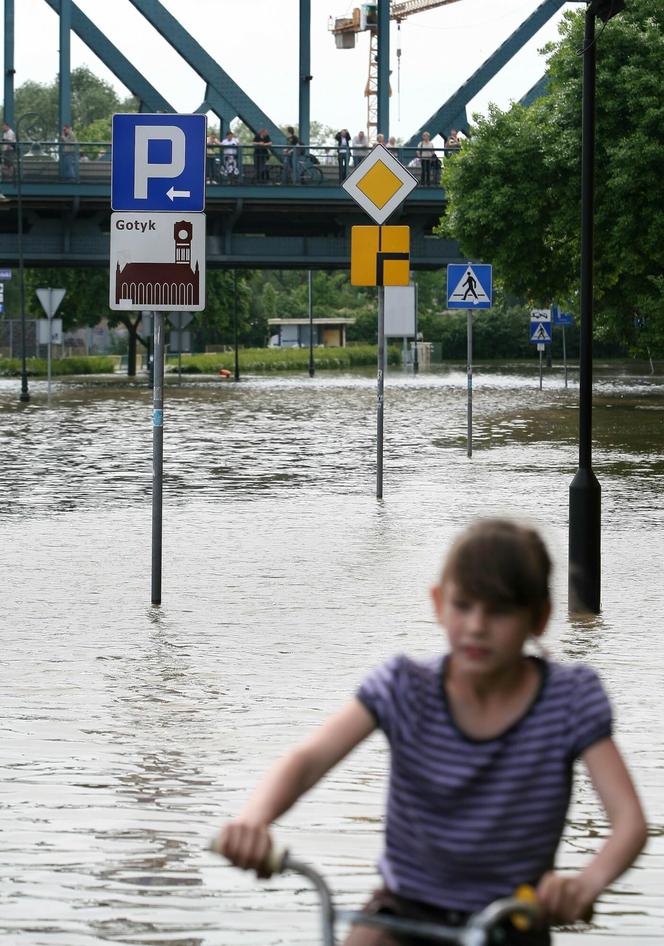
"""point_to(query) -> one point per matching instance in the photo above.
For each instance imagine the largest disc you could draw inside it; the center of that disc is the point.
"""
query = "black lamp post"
(25, 394)
(585, 518)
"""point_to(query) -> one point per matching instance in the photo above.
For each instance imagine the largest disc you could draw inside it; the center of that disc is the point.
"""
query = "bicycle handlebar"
(474, 933)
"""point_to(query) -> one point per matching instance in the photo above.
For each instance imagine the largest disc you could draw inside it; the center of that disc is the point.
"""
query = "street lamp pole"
(25, 394)
(585, 495)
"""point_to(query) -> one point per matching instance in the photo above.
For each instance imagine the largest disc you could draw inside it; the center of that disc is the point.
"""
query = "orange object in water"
(224, 372)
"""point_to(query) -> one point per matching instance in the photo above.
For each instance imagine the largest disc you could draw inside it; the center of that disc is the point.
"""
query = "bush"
(286, 359)
(76, 364)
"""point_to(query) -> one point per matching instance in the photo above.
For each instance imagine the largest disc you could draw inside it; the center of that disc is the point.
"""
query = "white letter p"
(143, 169)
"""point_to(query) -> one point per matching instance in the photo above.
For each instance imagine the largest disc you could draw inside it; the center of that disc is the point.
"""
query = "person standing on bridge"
(69, 153)
(426, 154)
(8, 151)
(292, 154)
(360, 148)
(230, 146)
(343, 141)
(262, 142)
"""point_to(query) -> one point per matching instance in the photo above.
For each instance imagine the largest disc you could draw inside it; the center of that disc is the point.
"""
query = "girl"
(483, 742)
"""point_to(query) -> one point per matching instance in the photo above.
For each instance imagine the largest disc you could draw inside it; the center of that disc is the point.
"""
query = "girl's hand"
(246, 844)
(564, 899)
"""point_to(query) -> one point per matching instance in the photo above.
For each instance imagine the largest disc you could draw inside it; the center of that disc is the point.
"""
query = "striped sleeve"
(378, 692)
(591, 717)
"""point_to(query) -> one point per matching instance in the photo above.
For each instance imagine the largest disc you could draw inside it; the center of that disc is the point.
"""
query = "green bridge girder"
(66, 223)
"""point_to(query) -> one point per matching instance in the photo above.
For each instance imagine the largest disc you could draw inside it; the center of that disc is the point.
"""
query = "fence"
(11, 340)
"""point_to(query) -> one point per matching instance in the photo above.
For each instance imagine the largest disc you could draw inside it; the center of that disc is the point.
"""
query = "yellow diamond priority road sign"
(379, 184)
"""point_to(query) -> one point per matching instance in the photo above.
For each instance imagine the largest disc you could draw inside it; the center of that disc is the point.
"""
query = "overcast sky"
(256, 43)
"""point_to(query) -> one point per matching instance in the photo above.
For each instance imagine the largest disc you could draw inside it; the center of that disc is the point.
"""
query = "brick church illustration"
(161, 283)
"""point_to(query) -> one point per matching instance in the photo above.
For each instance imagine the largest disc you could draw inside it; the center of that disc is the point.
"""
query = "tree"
(92, 100)
(514, 189)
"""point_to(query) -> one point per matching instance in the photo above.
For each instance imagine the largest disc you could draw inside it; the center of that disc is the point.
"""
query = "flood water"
(130, 732)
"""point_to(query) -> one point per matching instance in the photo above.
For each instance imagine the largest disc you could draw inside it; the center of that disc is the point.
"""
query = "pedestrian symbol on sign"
(469, 289)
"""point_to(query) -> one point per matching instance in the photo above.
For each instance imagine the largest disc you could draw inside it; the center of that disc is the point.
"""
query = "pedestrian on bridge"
(230, 146)
(360, 148)
(262, 142)
(69, 153)
(292, 154)
(8, 151)
(343, 141)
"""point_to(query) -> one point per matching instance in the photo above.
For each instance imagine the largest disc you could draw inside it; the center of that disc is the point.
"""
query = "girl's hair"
(501, 563)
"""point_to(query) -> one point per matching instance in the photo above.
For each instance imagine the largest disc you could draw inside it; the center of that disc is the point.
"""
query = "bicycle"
(522, 909)
(307, 172)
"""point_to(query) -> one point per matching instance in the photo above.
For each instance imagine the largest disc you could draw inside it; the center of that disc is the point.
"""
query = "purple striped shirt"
(468, 820)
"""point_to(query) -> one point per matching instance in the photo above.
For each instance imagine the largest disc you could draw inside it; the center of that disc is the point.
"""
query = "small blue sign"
(158, 162)
(2, 307)
(563, 318)
(469, 286)
(540, 333)
(5, 274)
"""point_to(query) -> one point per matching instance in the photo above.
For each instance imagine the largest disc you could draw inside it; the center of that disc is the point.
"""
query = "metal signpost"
(50, 300)
(380, 256)
(469, 286)
(562, 319)
(158, 247)
(540, 333)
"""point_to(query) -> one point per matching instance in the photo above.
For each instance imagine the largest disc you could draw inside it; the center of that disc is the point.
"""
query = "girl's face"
(483, 638)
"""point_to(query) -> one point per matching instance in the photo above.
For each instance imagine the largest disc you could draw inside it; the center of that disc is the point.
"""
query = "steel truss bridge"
(251, 223)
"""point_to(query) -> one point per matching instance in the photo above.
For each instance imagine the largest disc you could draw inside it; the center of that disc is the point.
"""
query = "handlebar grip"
(275, 861)
(527, 894)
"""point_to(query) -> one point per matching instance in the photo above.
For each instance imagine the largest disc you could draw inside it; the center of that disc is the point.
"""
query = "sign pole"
(236, 338)
(469, 372)
(180, 356)
(565, 355)
(312, 369)
(416, 353)
(540, 349)
(380, 392)
(157, 454)
(48, 358)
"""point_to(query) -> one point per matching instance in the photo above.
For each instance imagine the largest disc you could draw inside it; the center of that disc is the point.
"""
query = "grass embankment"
(76, 364)
(284, 359)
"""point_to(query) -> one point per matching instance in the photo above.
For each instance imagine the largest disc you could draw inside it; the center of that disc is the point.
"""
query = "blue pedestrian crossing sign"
(158, 162)
(469, 286)
(540, 326)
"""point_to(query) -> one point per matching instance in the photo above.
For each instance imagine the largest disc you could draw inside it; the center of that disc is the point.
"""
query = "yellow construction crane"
(365, 19)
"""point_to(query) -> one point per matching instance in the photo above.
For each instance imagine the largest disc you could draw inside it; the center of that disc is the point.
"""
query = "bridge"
(253, 222)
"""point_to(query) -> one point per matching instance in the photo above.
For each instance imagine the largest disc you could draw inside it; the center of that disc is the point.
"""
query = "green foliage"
(287, 359)
(86, 297)
(514, 190)
(93, 101)
(76, 364)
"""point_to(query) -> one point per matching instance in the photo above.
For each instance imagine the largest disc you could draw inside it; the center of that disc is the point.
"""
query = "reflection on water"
(130, 731)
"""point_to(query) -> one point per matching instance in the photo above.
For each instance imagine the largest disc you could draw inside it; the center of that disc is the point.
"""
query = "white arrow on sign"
(50, 300)
(172, 193)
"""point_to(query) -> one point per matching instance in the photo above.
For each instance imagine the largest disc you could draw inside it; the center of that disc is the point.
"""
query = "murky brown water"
(129, 732)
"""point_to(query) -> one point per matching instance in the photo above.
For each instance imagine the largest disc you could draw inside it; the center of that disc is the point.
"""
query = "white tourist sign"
(157, 262)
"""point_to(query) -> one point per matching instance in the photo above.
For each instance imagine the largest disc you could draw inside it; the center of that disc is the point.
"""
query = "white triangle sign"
(50, 300)
(469, 289)
(540, 334)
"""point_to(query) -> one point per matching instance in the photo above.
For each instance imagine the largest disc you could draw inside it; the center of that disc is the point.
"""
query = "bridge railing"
(226, 165)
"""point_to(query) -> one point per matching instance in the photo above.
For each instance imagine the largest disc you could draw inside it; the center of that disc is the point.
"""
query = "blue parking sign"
(158, 162)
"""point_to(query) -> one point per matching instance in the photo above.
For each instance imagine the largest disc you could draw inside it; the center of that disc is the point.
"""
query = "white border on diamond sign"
(380, 153)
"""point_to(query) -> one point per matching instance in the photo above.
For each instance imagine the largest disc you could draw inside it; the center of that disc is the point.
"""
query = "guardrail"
(226, 164)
